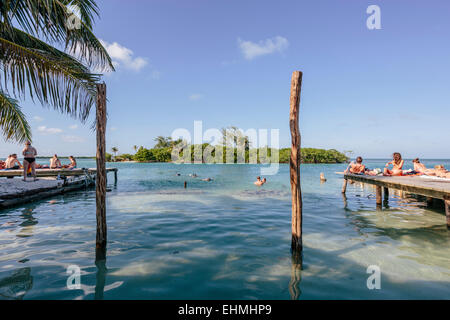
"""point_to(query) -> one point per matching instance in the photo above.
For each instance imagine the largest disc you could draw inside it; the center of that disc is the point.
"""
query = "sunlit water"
(225, 239)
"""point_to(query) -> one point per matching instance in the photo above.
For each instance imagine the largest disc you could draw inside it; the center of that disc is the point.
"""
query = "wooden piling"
(447, 211)
(386, 193)
(344, 186)
(101, 171)
(296, 84)
(378, 192)
(185, 184)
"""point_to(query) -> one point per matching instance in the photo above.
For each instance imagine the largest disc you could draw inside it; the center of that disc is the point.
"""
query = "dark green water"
(225, 239)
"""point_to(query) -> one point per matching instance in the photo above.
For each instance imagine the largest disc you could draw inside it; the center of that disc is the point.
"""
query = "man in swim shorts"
(12, 163)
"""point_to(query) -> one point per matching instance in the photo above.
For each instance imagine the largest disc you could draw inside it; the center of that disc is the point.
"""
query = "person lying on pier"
(29, 160)
(420, 167)
(441, 172)
(397, 165)
(12, 163)
(55, 163)
(356, 167)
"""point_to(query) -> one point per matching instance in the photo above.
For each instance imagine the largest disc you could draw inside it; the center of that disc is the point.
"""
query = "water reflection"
(29, 221)
(296, 276)
(16, 285)
(100, 279)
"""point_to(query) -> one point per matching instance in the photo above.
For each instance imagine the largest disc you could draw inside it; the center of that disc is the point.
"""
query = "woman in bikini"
(29, 160)
(397, 164)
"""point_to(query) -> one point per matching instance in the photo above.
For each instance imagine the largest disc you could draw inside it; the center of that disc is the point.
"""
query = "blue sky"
(230, 63)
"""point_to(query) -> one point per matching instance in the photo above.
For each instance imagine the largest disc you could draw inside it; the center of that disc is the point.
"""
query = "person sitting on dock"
(55, 163)
(29, 160)
(73, 163)
(12, 163)
(356, 167)
(397, 165)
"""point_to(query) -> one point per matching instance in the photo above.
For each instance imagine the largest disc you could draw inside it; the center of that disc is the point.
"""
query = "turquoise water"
(225, 239)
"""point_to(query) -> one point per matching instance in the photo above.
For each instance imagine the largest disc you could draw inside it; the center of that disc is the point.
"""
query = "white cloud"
(251, 50)
(72, 139)
(38, 119)
(195, 96)
(124, 57)
(45, 130)
(73, 127)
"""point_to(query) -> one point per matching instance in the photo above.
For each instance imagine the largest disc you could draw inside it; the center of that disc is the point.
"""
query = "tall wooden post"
(101, 171)
(296, 84)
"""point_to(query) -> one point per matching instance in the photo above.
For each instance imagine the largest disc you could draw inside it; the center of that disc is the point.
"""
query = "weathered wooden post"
(447, 211)
(101, 172)
(386, 193)
(344, 186)
(378, 193)
(296, 84)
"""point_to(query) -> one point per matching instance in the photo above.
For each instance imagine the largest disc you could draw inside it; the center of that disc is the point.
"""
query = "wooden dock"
(15, 191)
(429, 187)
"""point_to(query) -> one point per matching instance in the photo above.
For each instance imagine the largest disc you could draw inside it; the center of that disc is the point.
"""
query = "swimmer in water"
(207, 179)
(260, 182)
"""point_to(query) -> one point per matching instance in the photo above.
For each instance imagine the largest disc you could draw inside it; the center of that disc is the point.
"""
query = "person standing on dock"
(29, 160)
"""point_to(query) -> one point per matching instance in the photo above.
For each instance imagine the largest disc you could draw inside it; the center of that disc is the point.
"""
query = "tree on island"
(31, 66)
(115, 150)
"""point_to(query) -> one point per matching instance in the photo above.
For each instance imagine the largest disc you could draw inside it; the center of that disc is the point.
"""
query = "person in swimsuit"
(73, 163)
(29, 160)
(356, 167)
(55, 163)
(420, 167)
(397, 165)
(12, 163)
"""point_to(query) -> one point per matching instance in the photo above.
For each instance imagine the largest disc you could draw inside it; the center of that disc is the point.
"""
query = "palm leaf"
(13, 124)
(48, 19)
(52, 76)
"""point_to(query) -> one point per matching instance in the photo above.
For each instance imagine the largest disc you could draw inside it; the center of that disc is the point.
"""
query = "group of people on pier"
(29, 162)
(357, 167)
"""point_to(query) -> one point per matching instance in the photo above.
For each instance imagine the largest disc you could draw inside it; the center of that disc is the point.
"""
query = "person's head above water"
(264, 180)
(416, 160)
(359, 160)
(258, 178)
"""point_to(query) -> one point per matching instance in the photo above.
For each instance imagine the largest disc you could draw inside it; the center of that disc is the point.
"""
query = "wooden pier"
(15, 191)
(430, 187)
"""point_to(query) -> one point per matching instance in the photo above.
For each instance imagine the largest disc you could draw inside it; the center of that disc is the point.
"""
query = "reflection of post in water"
(100, 277)
(344, 198)
(296, 276)
(16, 285)
(29, 221)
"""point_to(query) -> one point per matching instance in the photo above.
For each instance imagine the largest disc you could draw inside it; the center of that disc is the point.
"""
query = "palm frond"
(49, 19)
(52, 76)
(13, 124)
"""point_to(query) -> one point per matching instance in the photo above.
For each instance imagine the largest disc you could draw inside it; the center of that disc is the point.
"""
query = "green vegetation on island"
(162, 152)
